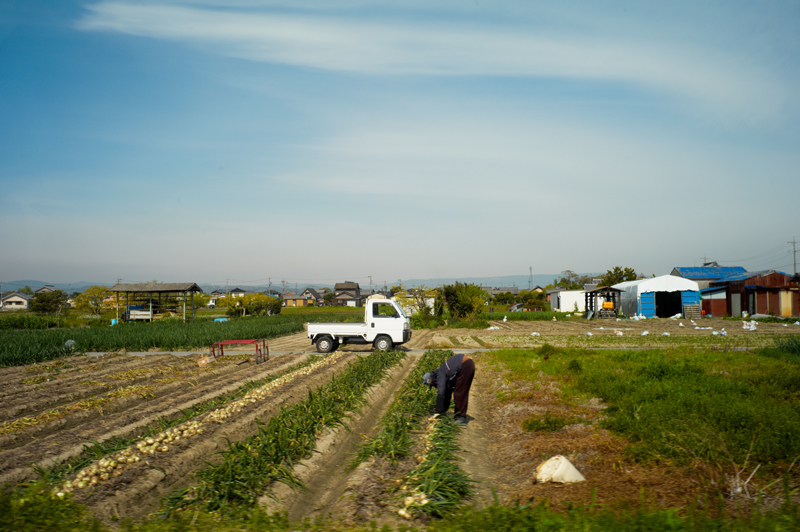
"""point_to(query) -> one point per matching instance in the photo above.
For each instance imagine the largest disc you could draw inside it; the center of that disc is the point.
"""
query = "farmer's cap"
(426, 379)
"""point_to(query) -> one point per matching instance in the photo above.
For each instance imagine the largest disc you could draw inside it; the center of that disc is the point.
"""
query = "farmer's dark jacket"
(445, 376)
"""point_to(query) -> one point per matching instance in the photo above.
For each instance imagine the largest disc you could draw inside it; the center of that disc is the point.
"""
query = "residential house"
(238, 292)
(502, 290)
(313, 295)
(46, 288)
(16, 301)
(347, 294)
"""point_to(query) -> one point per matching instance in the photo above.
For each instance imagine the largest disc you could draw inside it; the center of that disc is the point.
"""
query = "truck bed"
(337, 329)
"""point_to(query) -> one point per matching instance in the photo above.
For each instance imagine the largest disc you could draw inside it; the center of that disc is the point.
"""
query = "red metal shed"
(764, 292)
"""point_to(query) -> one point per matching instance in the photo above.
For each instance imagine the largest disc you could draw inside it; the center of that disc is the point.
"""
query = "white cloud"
(506, 161)
(727, 85)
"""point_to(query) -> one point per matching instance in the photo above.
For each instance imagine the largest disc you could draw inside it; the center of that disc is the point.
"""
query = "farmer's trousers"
(460, 393)
(463, 384)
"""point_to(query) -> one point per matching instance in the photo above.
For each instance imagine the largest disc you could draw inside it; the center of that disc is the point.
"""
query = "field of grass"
(726, 408)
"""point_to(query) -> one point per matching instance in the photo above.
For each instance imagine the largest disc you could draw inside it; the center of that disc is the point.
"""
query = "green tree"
(28, 291)
(48, 302)
(465, 300)
(329, 297)
(618, 274)
(570, 280)
(92, 298)
(424, 304)
(417, 300)
(200, 300)
(536, 300)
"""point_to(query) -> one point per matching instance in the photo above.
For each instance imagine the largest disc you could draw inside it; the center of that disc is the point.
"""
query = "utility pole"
(370, 284)
(794, 252)
(283, 294)
(269, 290)
(530, 278)
(227, 288)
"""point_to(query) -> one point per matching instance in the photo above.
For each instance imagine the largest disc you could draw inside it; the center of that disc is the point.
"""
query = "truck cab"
(385, 326)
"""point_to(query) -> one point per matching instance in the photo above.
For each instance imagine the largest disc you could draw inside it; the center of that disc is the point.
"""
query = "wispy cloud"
(710, 78)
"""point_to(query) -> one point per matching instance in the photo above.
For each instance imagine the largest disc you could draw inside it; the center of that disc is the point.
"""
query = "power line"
(757, 256)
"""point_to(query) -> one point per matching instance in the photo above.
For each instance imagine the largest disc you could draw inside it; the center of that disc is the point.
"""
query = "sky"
(318, 141)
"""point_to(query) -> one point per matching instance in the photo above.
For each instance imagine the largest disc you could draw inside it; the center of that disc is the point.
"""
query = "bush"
(465, 301)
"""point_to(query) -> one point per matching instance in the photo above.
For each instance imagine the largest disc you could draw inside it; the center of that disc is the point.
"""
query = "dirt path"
(474, 439)
(324, 474)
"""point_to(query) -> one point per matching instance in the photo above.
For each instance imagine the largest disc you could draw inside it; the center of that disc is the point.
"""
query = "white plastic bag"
(558, 469)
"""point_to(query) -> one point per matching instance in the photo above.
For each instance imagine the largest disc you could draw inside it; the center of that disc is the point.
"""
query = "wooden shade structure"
(160, 290)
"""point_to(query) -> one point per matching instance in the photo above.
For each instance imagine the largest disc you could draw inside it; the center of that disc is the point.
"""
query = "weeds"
(549, 423)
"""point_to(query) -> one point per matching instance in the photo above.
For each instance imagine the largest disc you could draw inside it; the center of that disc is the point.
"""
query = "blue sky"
(327, 140)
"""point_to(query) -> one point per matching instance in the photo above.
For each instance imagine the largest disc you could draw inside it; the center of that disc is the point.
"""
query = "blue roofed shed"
(708, 272)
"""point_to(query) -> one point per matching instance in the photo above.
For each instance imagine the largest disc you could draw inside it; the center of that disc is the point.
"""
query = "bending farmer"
(453, 378)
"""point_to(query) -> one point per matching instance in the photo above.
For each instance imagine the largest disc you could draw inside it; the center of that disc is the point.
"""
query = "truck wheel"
(324, 344)
(383, 343)
(336, 345)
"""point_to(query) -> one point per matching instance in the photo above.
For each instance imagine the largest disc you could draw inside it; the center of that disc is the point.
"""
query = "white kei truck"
(386, 325)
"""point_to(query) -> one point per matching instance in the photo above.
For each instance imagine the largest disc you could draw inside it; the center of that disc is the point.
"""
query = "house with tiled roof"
(16, 301)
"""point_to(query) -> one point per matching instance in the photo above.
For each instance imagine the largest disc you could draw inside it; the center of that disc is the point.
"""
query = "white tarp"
(629, 300)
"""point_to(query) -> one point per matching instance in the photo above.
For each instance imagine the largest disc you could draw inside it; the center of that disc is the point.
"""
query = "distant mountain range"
(520, 281)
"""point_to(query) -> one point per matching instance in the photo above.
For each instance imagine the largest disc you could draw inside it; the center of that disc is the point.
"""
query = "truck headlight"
(406, 326)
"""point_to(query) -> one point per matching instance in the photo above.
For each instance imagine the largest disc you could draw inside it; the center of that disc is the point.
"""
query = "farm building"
(568, 301)
(763, 292)
(658, 297)
(707, 273)
(715, 301)
(298, 301)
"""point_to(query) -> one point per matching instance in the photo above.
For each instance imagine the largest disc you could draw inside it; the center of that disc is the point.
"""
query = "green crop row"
(250, 466)
(96, 450)
(442, 482)
(437, 486)
(20, 347)
(20, 320)
(412, 402)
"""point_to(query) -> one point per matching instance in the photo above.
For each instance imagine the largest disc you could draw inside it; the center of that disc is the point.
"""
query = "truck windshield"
(400, 310)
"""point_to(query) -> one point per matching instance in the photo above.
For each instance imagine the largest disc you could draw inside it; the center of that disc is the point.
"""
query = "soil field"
(573, 333)
(51, 412)
(81, 402)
